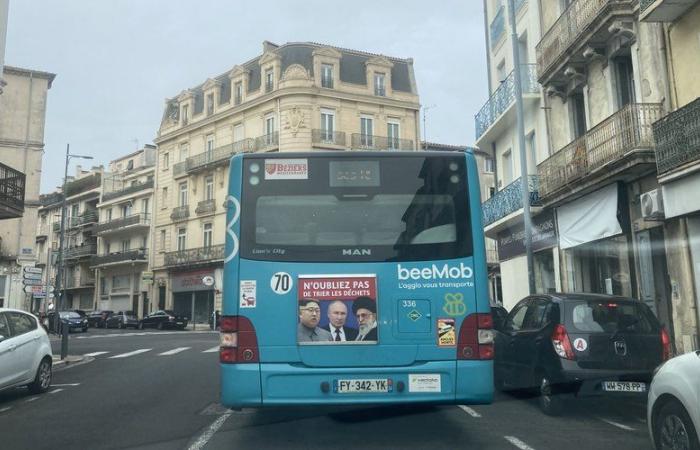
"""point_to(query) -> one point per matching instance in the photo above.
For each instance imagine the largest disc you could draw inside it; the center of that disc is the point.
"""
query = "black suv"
(581, 344)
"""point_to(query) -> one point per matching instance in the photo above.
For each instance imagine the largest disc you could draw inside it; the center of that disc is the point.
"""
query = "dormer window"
(379, 84)
(185, 114)
(327, 76)
(269, 80)
(210, 104)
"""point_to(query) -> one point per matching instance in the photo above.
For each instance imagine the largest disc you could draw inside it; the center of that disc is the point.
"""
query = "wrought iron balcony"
(509, 200)
(80, 251)
(123, 222)
(663, 10)
(80, 281)
(498, 26)
(328, 137)
(626, 131)
(83, 184)
(12, 183)
(180, 213)
(267, 142)
(126, 256)
(504, 97)
(179, 168)
(369, 142)
(86, 218)
(136, 187)
(581, 19)
(677, 137)
(218, 156)
(205, 207)
(191, 256)
(380, 91)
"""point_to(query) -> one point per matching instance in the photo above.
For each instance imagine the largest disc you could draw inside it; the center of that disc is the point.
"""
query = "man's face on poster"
(310, 314)
(337, 314)
(365, 318)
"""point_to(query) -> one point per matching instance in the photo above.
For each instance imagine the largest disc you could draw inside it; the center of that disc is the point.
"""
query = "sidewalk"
(70, 360)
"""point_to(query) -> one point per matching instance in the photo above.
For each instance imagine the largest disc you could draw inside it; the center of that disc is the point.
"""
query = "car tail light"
(562, 343)
(665, 345)
(476, 337)
(238, 341)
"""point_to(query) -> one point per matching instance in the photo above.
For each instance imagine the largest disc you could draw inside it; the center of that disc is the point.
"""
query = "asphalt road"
(159, 390)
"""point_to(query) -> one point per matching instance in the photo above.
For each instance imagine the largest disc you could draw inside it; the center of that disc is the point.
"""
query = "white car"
(25, 352)
(673, 410)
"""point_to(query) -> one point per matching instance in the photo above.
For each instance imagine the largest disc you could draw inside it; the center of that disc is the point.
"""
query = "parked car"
(122, 319)
(581, 344)
(499, 315)
(25, 352)
(97, 318)
(81, 313)
(163, 319)
(673, 409)
(70, 318)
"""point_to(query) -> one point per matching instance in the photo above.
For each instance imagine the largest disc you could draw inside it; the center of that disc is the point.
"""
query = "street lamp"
(59, 272)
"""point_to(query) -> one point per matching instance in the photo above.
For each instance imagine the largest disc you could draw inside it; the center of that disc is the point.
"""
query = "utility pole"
(425, 130)
(527, 220)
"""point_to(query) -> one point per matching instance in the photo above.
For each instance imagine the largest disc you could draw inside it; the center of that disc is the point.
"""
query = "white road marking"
(518, 443)
(615, 424)
(67, 384)
(469, 411)
(212, 350)
(95, 353)
(135, 352)
(209, 432)
(2, 410)
(55, 391)
(143, 333)
(174, 351)
(32, 399)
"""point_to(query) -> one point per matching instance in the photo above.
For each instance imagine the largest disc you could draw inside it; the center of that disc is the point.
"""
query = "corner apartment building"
(80, 243)
(22, 117)
(677, 137)
(123, 233)
(496, 134)
(293, 97)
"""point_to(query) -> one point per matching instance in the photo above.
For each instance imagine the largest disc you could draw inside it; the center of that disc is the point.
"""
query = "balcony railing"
(84, 184)
(133, 255)
(12, 184)
(327, 82)
(269, 86)
(127, 190)
(217, 156)
(123, 222)
(80, 281)
(380, 91)
(369, 142)
(504, 96)
(83, 219)
(498, 26)
(267, 142)
(628, 129)
(568, 29)
(180, 213)
(509, 200)
(491, 255)
(205, 207)
(194, 256)
(328, 137)
(677, 137)
(80, 251)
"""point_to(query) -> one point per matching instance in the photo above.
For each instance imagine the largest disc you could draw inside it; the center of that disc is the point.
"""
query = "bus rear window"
(385, 209)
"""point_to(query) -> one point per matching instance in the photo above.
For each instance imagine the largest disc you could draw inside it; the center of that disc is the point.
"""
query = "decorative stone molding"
(185, 95)
(238, 71)
(380, 61)
(327, 52)
(554, 91)
(295, 72)
(294, 120)
(624, 29)
(593, 54)
(211, 84)
(268, 57)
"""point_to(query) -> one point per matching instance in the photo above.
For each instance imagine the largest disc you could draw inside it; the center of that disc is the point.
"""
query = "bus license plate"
(624, 386)
(382, 385)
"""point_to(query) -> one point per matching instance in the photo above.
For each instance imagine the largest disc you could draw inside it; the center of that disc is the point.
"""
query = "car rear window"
(611, 316)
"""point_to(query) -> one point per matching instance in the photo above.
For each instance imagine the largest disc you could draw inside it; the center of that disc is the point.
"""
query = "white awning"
(589, 218)
(681, 196)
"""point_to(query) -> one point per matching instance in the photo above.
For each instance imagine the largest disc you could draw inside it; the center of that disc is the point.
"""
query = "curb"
(69, 361)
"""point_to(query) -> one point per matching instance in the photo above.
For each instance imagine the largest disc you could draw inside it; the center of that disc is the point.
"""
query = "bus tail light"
(476, 337)
(238, 341)
(562, 343)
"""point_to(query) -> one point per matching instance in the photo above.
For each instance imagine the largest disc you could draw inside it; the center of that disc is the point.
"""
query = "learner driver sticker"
(248, 294)
(580, 345)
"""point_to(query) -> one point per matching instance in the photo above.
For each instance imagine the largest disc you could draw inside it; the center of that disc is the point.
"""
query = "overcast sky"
(117, 60)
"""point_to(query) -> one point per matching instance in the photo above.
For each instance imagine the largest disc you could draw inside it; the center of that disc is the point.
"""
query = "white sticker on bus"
(249, 295)
(423, 382)
(281, 283)
(286, 169)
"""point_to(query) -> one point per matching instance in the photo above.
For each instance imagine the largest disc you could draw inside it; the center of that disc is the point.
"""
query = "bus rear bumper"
(435, 382)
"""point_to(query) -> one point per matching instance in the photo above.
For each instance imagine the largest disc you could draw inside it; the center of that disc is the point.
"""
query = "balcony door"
(327, 125)
(366, 131)
(183, 195)
(624, 77)
(392, 130)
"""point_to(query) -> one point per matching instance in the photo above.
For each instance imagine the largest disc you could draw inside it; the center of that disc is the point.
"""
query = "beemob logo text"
(435, 272)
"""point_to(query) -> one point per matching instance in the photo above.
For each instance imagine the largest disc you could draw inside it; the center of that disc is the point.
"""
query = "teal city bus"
(355, 278)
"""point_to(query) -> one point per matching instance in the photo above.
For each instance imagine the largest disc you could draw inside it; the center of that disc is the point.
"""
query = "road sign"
(147, 277)
(32, 276)
(29, 282)
(29, 269)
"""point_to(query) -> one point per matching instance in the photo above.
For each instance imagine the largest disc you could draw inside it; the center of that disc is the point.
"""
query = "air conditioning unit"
(652, 205)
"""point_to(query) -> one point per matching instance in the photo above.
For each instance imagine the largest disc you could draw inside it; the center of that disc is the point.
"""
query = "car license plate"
(179, 323)
(624, 386)
(382, 385)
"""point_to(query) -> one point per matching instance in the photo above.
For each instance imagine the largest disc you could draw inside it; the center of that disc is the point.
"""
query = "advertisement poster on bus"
(337, 309)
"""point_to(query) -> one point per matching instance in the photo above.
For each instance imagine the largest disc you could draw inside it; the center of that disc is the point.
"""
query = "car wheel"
(160, 326)
(550, 403)
(673, 428)
(42, 380)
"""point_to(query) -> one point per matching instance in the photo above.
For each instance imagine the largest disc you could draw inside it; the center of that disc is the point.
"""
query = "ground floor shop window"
(600, 267)
(543, 263)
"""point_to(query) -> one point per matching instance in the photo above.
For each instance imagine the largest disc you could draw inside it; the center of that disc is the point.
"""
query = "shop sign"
(511, 241)
(191, 281)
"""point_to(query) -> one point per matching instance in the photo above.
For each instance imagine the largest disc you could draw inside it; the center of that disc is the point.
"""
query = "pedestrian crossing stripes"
(95, 353)
(174, 351)
(135, 352)
(212, 350)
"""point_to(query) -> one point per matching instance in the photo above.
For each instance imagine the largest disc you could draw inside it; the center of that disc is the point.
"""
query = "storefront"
(194, 293)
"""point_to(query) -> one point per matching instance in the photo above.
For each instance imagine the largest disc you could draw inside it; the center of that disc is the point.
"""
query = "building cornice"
(36, 145)
(29, 72)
